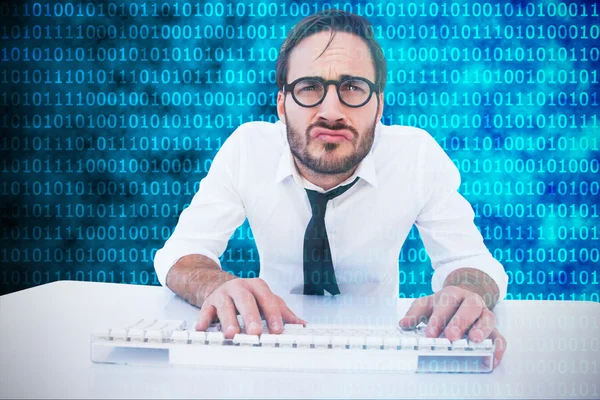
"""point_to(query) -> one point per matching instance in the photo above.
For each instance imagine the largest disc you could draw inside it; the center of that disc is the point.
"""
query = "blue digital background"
(112, 111)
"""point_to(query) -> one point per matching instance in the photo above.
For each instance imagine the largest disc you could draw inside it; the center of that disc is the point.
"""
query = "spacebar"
(293, 359)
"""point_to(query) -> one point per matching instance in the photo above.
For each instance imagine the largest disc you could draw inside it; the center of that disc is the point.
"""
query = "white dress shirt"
(405, 179)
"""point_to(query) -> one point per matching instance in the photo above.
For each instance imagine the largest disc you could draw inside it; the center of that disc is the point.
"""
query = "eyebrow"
(343, 76)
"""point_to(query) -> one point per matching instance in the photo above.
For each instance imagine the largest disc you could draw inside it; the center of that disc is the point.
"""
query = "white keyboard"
(314, 348)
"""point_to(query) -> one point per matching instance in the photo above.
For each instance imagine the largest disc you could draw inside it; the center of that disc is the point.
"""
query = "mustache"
(335, 127)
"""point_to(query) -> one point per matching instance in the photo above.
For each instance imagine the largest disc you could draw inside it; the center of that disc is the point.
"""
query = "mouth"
(333, 136)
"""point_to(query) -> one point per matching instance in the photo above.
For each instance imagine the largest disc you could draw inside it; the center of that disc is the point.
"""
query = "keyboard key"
(441, 344)
(304, 340)
(425, 343)
(486, 344)
(119, 333)
(143, 323)
(245, 340)
(391, 342)
(179, 337)
(241, 323)
(136, 335)
(460, 344)
(356, 342)
(301, 332)
(321, 341)
(406, 332)
(339, 342)
(286, 340)
(168, 327)
(265, 327)
(374, 342)
(268, 340)
(173, 324)
(292, 328)
(154, 336)
(408, 343)
(196, 337)
(215, 338)
(315, 326)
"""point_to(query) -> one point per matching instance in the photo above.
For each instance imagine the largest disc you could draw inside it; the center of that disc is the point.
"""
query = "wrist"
(475, 281)
(212, 281)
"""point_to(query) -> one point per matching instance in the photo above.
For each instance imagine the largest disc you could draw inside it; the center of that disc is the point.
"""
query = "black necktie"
(318, 267)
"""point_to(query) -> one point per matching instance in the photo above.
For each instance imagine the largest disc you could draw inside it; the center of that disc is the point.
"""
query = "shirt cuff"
(165, 258)
(482, 263)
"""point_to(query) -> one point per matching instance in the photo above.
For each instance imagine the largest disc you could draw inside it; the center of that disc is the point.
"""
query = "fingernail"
(496, 361)
(276, 326)
(478, 335)
(253, 326)
(230, 330)
(454, 332)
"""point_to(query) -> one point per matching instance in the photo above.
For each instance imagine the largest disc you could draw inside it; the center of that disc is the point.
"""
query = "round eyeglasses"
(352, 91)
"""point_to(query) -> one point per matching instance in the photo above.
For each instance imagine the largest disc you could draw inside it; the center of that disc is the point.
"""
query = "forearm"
(475, 281)
(195, 277)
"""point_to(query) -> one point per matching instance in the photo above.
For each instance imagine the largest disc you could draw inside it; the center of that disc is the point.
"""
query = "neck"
(324, 181)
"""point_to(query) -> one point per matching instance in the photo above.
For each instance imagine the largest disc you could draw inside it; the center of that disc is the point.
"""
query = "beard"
(328, 163)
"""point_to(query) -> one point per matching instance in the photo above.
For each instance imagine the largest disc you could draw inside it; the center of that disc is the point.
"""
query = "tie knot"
(318, 201)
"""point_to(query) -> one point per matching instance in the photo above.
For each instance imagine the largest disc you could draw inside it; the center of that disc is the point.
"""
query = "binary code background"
(113, 111)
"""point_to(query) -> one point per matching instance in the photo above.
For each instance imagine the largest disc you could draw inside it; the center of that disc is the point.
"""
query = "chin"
(332, 158)
(330, 151)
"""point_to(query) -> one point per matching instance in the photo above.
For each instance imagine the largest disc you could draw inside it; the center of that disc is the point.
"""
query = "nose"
(331, 109)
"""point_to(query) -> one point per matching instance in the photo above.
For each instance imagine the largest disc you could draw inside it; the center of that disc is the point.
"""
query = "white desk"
(45, 337)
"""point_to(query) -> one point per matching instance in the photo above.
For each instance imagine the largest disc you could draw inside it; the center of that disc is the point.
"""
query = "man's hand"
(246, 296)
(455, 311)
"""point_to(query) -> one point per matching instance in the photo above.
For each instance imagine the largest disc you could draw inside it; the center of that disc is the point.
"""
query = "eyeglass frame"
(289, 87)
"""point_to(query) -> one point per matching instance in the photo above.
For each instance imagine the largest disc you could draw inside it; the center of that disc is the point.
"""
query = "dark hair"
(335, 21)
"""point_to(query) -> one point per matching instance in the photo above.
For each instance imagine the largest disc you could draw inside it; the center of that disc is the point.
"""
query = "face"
(330, 138)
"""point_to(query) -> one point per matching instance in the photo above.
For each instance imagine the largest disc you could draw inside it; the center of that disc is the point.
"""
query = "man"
(331, 194)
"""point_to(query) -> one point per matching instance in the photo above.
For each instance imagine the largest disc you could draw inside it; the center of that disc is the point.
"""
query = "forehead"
(346, 55)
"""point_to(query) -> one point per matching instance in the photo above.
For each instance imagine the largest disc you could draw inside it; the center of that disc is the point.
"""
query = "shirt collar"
(286, 166)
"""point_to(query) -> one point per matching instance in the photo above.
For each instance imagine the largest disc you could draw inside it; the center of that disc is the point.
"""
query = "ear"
(281, 107)
(381, 104)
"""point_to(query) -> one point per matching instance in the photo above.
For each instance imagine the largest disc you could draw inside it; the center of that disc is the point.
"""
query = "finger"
(446, 303)
(288, 315)
(246, 304)
(227, 315)
(419, 311)
(269, 305)
(500, 343)
(470, 310)
(482, 328)
(207, 314)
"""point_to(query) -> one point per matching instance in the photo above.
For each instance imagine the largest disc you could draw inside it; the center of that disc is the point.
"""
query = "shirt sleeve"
(446, 222)
(215, 212)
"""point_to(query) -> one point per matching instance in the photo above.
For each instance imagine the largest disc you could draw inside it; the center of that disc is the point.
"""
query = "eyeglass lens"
(352, 91)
